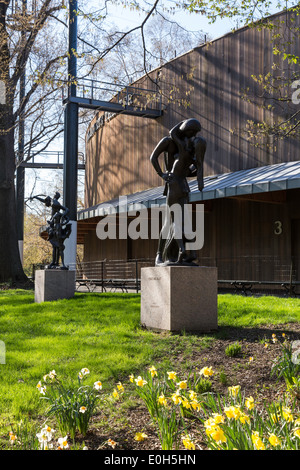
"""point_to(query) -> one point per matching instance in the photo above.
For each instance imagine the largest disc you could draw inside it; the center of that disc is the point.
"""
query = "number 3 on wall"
(278, 227)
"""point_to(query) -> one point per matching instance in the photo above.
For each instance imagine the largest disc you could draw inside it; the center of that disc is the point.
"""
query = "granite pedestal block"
(177, 298)
(54, 284)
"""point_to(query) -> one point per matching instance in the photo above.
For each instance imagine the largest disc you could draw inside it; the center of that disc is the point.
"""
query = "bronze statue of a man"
(184, 153)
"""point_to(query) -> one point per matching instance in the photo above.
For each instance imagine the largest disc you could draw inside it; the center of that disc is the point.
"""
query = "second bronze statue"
(58, 229)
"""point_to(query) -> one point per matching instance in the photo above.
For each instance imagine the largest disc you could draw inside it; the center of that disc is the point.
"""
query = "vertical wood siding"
(211, 78)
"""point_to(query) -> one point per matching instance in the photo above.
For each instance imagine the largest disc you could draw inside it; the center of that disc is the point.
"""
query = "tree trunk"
(11, 269)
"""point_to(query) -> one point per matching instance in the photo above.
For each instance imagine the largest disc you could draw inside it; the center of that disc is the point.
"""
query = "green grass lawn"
(101, 332)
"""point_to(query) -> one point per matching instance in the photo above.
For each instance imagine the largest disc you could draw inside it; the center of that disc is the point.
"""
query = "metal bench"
(245, 287)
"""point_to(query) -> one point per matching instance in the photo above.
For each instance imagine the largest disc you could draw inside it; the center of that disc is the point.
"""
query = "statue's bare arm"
(162, 146)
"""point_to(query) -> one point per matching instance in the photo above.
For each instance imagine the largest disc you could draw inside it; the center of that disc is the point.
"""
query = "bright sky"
(191, 21)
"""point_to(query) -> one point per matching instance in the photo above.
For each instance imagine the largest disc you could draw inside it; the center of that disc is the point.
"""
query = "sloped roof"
(278, 177)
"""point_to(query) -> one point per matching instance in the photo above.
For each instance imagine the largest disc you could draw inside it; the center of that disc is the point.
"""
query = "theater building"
(251, 193)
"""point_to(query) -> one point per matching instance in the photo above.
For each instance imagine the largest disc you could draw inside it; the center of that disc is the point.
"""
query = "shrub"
(203, 386)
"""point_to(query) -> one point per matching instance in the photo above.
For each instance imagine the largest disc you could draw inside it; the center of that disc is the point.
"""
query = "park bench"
(112, 274)
(114, 284)
(245, 287)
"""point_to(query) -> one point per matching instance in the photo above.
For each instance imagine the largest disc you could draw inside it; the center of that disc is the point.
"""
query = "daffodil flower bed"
(182, 414)
(234, 422)
(73, 405)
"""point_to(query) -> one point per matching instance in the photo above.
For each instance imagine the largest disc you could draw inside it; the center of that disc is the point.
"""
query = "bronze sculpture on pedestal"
(184, 153)
(58, 229)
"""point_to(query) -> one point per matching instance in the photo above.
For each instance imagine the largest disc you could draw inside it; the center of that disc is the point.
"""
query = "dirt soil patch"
(251, 369)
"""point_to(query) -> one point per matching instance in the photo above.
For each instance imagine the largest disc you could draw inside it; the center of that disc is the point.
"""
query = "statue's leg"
(178, 223)
(162, 240)
(52, 264)
(62, 255)
(56, 256)
(187, 230)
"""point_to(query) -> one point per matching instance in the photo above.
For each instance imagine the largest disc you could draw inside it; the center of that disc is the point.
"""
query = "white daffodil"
(48, 431)
(63, 442)
(41, 388)
(98, 385)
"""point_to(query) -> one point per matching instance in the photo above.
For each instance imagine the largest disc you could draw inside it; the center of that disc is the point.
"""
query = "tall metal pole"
(20, 174)
(71, 140)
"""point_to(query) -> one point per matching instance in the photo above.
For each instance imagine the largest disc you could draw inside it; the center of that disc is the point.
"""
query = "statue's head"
(190, 127)
(57, 195)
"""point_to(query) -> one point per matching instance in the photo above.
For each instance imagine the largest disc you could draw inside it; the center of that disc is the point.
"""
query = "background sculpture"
(184, 153)
(58, 229)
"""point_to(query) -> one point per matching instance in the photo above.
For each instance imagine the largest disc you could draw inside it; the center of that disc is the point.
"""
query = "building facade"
(251, 193)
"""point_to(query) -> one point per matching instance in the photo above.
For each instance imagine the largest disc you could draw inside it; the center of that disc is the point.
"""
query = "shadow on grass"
(15, 298)
(251, 334)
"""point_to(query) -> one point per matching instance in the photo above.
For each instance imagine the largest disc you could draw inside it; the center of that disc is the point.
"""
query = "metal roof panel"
(268, 178)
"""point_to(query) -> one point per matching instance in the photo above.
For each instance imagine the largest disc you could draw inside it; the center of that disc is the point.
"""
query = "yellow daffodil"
(185, 403)
(257, 442)
(275, 417)
(287, 414)
(176, 398)
(120, 387)
(115, 394)
(297, 433)
(234, 391)
(217, 434)
(274, 441)
(172, 375)
(131, 378)
(140, 381)
(209, 423)
(162, 400)
(232, 412)
(206, 371)
(182, 385)
(244, 418)
(195, 405)
(218, 419)
(193, 395)
(188, 443)
(152, 371)
(140, 436)
(249, 403)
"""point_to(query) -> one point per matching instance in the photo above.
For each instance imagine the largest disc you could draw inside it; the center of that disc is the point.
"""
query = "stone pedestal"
(176, 298)
(53, 284)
